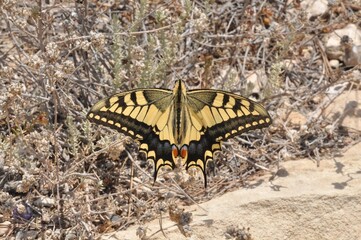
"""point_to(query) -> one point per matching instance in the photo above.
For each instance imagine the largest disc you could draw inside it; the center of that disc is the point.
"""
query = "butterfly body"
(179, 124)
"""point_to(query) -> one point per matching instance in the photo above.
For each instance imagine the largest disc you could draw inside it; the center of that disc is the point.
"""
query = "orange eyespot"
(174, 151)
(184, 151)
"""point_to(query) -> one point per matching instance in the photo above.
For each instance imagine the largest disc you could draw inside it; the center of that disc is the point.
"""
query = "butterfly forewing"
(225, 115)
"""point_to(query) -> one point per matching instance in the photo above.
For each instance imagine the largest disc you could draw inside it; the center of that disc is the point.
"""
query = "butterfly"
(173, 125)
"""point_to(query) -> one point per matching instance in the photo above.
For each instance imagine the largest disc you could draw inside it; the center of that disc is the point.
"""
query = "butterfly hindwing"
(140, 115)
(200, 152)
(159, 151)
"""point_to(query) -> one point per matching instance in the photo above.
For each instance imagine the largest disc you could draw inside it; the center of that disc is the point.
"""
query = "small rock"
(44, 202)
(351, 30)
(5, 228)
(11, 186)
(256, 80)
(116, 219)
(32, 234)
(334, 53)
(344, 45)
(346, 109)
(352, 53)
(334, 63)
(296, 118)
(314, 8)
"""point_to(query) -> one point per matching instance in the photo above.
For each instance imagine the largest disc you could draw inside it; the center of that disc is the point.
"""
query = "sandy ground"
(305, 202)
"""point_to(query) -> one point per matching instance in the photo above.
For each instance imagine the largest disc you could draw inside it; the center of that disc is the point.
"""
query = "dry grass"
(60, 176)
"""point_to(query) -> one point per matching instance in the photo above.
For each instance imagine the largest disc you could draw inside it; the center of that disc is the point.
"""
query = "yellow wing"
(222, 115)
(142, 114)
